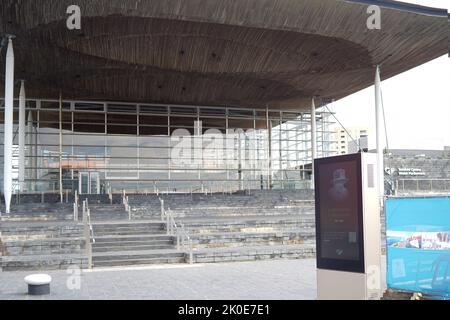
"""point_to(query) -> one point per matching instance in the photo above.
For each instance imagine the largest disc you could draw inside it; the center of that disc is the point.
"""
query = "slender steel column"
(35, 159)
(313, 139)
(8, 135)
(60, 150)
(29, 149)
(269, 131)
(22, 119)
(379, 135)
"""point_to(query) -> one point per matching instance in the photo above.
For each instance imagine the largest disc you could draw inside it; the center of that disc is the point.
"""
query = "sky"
(416, 102)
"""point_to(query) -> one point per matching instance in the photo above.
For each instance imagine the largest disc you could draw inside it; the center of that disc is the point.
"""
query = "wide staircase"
(240, 226)
(202, 228)
(119, 239)
(130, 243)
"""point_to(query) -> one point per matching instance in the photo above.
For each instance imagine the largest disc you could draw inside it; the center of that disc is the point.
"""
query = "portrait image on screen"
(339, 213)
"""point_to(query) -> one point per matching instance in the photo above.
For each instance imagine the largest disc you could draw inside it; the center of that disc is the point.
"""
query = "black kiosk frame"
(333, 227)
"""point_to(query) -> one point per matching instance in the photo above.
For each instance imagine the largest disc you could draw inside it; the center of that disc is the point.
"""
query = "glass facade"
(91, 146)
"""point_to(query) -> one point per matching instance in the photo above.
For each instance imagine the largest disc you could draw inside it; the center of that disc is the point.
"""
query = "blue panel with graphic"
(418, 244)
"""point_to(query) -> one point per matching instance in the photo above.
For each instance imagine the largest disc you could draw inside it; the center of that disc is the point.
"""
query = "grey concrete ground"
(260, 280)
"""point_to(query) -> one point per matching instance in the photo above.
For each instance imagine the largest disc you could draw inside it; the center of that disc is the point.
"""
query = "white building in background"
(351, 139)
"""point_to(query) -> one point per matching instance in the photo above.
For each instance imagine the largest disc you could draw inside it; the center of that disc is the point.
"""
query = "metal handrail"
(183, 239)
(75, 206)
(88, 231)
(125, 202)
(110, 195)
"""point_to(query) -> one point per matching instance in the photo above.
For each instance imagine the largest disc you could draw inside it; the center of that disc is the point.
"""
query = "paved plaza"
(260, 280)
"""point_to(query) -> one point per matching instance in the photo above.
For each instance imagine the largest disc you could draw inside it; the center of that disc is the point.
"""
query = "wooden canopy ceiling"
(256, 53)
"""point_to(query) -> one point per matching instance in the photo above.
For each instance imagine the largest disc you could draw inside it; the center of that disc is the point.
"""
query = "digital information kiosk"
(348, 228)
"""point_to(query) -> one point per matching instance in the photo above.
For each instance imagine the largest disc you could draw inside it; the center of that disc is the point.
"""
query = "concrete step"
(43, 262)
(117, 228)
(107, 208)
(133, 243)
(140, 237)
(138, 257)
(128, 247)
(109, 217)
(37, 217)
(140, 261)
(239, 239)
(39, 230)
(127, 232)
(247, 225)
(239, 212)
(43, 247)
(252, 253)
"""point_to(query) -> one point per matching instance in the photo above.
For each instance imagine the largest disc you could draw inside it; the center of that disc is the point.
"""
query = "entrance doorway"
(89, 183)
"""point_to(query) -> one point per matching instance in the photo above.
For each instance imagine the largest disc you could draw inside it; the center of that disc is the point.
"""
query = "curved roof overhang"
(251, 53)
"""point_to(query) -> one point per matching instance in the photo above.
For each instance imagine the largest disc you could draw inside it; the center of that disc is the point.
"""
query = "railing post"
(84, 210)
(129, 209)
(191, 254)
(178, 240)
(88, 245)
(90, 264)
(162, 209)
(167, 224)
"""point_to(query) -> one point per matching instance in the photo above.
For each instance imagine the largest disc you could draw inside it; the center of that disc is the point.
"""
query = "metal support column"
(60, 150)
(29, 150)
(379, 137)
(313, 139)
(269, 134)
(35, 153)
(8, 135)
(22, 119)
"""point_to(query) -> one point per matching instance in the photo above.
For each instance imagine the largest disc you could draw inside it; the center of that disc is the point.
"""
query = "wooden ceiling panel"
(254, 53)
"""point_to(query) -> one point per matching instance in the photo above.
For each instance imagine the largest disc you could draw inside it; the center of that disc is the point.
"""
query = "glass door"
(89, 183)
(83, 182)
(94, 183)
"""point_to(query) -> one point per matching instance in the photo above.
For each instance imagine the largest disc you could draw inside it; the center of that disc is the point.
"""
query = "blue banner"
(418, 244)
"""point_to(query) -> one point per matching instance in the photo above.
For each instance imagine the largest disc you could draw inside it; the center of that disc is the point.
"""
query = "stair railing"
(110, 195)
(162, 209)
(125, 202)
(75, 206)
(183, 240)
(88, 232)
(186, 241)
